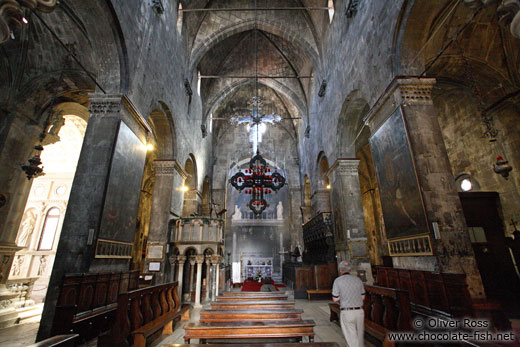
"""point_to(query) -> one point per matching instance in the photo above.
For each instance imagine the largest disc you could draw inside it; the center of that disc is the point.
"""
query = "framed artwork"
(118, 220)
(401, 197)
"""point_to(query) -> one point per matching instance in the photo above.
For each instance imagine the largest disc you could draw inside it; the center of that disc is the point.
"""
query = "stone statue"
(279, 210)
(238, 214)
(17, 265)
(43, 265)
(26, 229)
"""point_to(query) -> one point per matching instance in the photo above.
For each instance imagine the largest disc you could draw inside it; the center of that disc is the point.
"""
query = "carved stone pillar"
(208, 277)
(452, 250)
(82, 222)
(192, 275)
(200, 260)
(181, 259)
(161, 203)
(350, 232)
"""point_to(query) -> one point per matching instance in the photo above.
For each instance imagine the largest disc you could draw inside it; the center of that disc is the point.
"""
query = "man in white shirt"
(350, 292)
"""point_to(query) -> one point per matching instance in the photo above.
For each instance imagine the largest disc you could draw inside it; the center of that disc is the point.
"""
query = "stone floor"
(316, 310)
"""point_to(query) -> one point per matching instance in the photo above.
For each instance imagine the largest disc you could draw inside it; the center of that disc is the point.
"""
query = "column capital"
(207, 259)
(192, 260)
(105, 103)
(403, 90)
(215, 259)
(344, 167)
(199, 258)
(181, 259)
(164, 167)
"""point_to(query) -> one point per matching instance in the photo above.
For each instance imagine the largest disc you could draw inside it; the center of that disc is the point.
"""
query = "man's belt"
(351, 308)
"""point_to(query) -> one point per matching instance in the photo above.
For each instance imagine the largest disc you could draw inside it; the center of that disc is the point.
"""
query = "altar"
(254, 270)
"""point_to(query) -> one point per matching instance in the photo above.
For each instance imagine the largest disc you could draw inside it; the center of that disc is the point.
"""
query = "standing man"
(350, 292)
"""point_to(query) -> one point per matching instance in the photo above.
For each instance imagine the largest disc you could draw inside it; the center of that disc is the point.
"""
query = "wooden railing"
(386, 310)
(442, 292)
(143, 311)
(87, 303)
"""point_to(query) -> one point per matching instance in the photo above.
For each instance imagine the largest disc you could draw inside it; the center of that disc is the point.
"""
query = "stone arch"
(212, 104)
(206, 196)
(271, 26)
(352, 132)
(162, 134)
(191, 203)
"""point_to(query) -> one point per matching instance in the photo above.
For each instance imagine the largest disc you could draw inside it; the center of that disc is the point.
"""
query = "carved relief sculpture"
(279, 210)
(26, 228)
(43, 265)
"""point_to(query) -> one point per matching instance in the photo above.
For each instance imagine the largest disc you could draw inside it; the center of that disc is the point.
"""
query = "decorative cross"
(255, 120)
(257, 181)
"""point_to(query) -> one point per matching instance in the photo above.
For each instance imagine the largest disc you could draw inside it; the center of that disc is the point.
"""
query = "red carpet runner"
(254, 286)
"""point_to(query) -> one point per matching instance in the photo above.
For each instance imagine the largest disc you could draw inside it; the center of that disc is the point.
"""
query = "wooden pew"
(386, 310)
(251, 298)
(87, 303)
(280, 293)
(250, 315)
(259, 305)
(143, 313)
(58, 340)
(314, 344)
(248, 330)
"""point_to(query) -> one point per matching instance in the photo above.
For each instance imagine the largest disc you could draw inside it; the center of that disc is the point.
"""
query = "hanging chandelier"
(257, 181)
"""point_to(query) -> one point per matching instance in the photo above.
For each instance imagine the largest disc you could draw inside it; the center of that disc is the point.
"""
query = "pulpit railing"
(198, 229)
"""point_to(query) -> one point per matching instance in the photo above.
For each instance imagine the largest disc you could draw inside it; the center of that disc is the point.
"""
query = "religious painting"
(401, 197)
(118, 221)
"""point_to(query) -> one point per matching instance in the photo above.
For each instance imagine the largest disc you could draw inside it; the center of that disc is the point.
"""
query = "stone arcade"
(394, 123)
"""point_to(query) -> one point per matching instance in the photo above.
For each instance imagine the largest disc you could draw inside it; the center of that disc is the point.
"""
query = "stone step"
(27, 313)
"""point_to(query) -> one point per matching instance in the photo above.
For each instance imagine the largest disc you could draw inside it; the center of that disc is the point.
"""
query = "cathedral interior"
(201, 145)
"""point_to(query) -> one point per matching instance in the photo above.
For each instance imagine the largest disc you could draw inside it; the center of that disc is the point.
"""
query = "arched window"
(49, 229)
(179, 19)
(331, 10)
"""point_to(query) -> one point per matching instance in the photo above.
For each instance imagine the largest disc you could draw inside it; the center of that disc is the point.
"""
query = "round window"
(61, 190)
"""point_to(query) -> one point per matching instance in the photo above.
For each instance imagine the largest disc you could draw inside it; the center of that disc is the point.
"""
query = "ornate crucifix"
(257, 181)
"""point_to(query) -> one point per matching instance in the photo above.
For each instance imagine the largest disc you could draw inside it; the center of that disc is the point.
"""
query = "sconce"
(158, 6)
(502, 167)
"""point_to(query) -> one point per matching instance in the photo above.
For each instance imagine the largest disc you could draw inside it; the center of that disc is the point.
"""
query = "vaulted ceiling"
(229, 48)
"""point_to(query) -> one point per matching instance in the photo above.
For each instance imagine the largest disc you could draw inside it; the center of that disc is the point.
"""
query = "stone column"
(180, 272)
(321, 200)
(173, 261)
(452, 250)
(350, 232)
(192, 274)
(199, 259)
(85, 207)
(217, 280)
(160, 213)
(215, 261)
(208, 277)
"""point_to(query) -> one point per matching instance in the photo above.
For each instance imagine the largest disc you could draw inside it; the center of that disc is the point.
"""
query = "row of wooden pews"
(250, 315)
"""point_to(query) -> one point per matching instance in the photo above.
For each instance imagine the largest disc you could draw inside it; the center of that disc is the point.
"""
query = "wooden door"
(483, 217)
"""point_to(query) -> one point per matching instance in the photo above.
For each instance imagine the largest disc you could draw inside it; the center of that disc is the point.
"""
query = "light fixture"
(502, 167)
(185, 188)
(328, 186)
(466, 185)
(258, 180)
(33, 169)
(149, 147)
